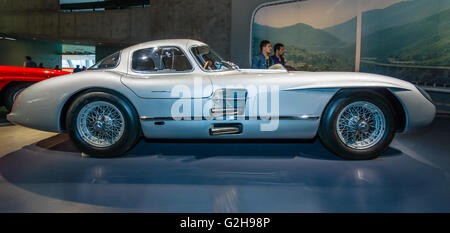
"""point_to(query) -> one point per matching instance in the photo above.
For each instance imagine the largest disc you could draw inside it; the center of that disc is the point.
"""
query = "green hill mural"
(301, 35)
(395, 15)
(409, 40)
(425, 42)
(307, 48)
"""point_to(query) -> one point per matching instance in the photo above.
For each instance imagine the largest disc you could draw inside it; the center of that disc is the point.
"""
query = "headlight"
(425, 94)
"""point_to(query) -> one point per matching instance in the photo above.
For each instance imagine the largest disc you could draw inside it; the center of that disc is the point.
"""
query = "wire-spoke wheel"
(103, 124)
(100, 124)
(357, 125)
(361, 125)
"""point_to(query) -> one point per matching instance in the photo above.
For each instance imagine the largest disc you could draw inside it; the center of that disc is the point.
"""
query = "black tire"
(329, 135)
(11, 92)
(129, 137)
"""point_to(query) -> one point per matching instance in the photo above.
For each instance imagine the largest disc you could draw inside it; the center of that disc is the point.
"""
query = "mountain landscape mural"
(395, 15)
(315, 49)
(409, 40)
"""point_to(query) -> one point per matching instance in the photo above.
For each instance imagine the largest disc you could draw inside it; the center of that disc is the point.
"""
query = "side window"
(174, 59)
(165, 59)
(144, 60)
(107, 63)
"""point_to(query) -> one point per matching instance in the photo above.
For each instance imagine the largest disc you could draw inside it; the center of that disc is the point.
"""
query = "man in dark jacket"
(263, 60)
(278, 57)
(29, 62)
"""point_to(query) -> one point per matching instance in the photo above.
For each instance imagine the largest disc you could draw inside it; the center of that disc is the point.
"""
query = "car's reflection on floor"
(250, 176)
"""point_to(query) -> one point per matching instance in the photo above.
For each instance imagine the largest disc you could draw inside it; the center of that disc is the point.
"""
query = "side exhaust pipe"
(221, 129)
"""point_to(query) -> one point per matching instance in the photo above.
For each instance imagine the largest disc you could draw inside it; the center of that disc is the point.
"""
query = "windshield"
(109, 62)
(209, 60)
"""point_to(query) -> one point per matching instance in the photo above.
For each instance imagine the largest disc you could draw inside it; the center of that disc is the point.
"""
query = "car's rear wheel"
(11, 92)
(102, 125)
(357, 125)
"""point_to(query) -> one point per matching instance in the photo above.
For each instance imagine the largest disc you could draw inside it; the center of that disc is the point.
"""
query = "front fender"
(419, 111)
(40, 106)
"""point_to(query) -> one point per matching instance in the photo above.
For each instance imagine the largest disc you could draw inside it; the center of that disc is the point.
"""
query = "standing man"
(263, 60)
(278, 57)
(29, 62)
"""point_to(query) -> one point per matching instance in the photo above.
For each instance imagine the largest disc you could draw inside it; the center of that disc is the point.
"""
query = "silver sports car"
(181, 89)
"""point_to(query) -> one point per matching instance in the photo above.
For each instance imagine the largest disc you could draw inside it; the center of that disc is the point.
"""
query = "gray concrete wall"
(205, 20)
(28, 5)
(13, 52)
(104, 51)
(126, 26)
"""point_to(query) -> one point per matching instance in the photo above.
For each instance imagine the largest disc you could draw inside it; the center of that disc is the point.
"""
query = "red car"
(13, 80)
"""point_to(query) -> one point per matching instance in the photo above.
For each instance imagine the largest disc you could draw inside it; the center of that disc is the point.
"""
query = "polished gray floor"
(252, 176)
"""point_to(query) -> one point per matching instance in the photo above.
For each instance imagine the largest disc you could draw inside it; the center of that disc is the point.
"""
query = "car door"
(165, 73)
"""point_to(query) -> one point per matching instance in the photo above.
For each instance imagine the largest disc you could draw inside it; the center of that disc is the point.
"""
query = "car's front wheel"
(357, 125)
(102, 125)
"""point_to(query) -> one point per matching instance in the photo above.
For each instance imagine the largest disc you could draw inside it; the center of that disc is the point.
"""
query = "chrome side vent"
(224, 128)
(229, 102)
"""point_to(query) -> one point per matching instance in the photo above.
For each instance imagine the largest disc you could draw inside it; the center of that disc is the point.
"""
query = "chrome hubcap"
(100, 124)
(361, 125)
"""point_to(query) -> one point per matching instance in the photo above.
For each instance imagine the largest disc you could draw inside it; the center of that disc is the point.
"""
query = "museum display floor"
(42, 172)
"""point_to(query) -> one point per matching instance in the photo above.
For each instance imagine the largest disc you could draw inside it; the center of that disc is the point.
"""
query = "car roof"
(182, 43)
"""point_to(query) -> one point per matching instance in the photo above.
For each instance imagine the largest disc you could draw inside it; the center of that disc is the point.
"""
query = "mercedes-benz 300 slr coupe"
(181, 89)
